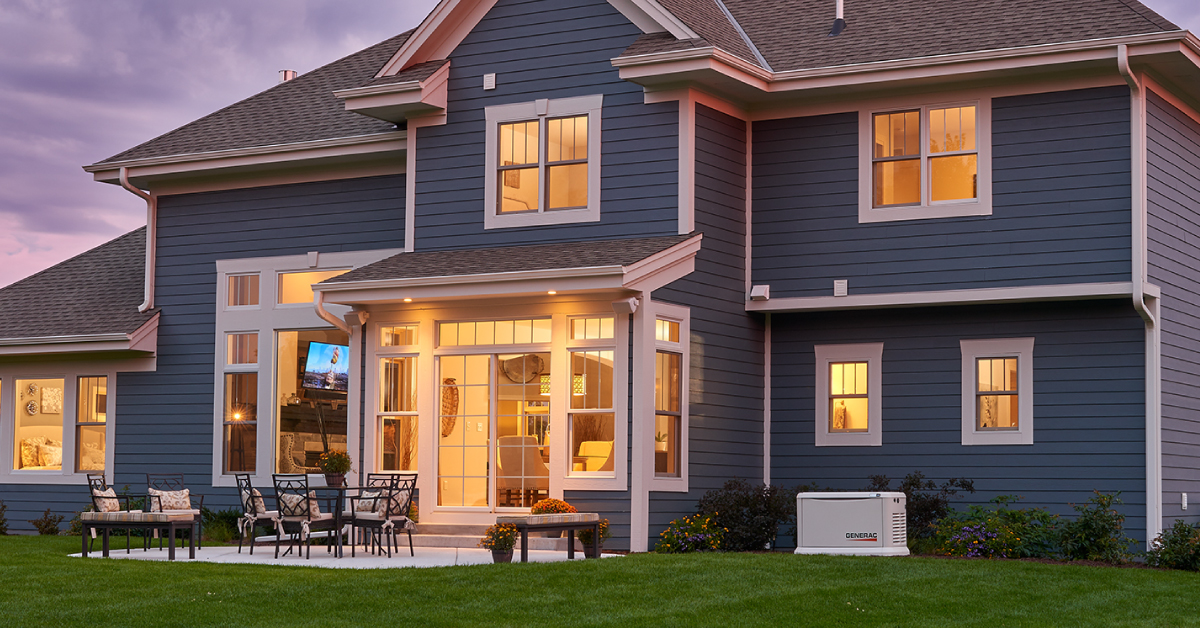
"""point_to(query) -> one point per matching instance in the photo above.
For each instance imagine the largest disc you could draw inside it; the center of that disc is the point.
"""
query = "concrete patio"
(265, 555)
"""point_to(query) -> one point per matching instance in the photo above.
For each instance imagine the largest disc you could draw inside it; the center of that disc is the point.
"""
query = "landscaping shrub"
(926, 503)
(48, 523)
(1176, 548)
(749, 515)
(3, 519)
(999, 532)
(220, 526)
(1098, 532)
(697, 533)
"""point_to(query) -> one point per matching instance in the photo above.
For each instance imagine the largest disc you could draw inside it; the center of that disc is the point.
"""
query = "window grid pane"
(849, 409)
(666, 331)
(243, 290)
(489, 333)
(297, 287)
(241, 422)
(998, 401)
(38, 424)
(91, 416)
(241, 349)
(398, 384)
(592, 328)
(399, 336)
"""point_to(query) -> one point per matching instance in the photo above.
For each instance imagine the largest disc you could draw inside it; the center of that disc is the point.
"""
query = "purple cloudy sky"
(82, 80)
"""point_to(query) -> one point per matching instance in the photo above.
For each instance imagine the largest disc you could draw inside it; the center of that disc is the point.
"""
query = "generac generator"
(868, 524)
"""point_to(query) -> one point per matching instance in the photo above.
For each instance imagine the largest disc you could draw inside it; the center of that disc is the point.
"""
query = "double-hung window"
(543, 162)
(849, 395)
(997, 391)
(925, 161)
(672, 348)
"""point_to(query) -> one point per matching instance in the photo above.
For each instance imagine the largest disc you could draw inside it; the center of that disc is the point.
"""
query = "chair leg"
(410, 545)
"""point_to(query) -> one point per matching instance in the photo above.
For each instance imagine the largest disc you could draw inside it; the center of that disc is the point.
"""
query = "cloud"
(82, 80)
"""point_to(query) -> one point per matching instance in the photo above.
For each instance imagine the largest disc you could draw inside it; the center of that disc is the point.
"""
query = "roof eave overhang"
(142, 341)
(648, 274)
(734, 78)
(147, 173)
(397, 102)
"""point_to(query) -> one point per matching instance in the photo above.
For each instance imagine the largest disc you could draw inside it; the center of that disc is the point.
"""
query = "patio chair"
(165, 493)
(384, 511)
(254, 512)
(299, 512)
(104, 502)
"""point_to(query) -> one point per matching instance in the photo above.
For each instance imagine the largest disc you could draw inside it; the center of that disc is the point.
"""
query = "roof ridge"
(284, 85)
(762, 61)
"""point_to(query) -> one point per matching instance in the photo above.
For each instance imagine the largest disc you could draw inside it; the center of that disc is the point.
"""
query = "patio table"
(338, 494)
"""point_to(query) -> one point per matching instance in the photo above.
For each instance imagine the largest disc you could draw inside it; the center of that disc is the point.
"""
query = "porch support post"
(642, 411)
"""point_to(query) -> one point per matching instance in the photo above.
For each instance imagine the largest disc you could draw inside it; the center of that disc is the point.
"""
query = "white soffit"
(142, 340)
(452, 20)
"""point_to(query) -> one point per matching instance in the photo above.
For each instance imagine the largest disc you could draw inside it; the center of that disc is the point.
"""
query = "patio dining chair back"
(174, 483)
(97, 487)
(385, 511)
(254, 511)
(299, 511)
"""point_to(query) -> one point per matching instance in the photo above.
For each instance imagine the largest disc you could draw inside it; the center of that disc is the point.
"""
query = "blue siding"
(726, 378)
(164, 419)
(1088, 402)
(1174, 257)
(547, 49)
(1060, 205)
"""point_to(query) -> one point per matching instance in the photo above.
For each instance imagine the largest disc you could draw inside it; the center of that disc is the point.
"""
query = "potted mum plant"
(585, 537)
(551, 506)
(335, 464)
(500, 538)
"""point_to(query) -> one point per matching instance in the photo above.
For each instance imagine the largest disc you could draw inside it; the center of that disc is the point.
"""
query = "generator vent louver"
(899, 528)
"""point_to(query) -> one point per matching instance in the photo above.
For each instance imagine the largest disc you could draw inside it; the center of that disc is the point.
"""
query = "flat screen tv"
(327, 367)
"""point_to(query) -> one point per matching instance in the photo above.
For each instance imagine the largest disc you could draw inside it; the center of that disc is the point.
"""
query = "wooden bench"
(125, 520)
(569, 522)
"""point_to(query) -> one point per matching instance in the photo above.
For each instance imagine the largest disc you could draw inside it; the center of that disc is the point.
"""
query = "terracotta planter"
(335, 479)
(502, 556)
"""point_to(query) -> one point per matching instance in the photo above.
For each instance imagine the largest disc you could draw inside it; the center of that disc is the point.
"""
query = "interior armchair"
(522, 470)
(167, 492)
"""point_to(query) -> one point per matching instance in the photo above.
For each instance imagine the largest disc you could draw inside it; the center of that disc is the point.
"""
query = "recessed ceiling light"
(552, 292)
(408, 300)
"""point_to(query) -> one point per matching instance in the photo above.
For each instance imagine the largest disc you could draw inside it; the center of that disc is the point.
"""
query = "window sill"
(557, 217)
(981, 207)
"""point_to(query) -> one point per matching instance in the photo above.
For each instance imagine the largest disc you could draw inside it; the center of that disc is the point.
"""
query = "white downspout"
(1148, 311)
(151, 228)
(319, 304)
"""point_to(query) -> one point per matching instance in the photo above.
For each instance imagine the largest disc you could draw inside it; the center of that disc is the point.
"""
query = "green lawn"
(41, 586)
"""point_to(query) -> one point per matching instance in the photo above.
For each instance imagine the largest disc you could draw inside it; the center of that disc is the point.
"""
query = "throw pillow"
(290, 505)
(369, 502)
(31, 455)
(107, 505)
(253, 503)
(51, 455)
(399, 502)
(170, 500)
(92, 459)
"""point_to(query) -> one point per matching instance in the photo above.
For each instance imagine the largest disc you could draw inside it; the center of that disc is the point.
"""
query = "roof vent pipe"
(839, 24)
(287, 75)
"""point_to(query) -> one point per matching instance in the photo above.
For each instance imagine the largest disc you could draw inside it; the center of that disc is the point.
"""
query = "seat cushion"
(135, 516)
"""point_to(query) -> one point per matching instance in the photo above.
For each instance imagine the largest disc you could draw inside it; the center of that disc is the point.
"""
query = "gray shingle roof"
(97, 292)
(302, 109)
(794, 34)
(511, 259)
(707, 19)
(418, 72)
(662, 42)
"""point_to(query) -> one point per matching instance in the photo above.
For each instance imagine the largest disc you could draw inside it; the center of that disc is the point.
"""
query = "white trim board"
(1063, 292)
(1022, 350)
(143, 339)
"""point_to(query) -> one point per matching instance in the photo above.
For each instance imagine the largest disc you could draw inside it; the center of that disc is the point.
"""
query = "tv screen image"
(327, 367)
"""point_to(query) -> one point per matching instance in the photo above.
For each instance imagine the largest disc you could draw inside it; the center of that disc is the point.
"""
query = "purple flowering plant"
(697, 533)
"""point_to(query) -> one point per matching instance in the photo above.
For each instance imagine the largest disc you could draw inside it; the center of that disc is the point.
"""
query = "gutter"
(151, 228)
(1144, 303)
(326, 315)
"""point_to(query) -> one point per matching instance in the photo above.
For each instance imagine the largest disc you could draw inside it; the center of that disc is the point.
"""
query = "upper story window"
(243, 291)
(297, 287)
(925, 161)
(543, 163)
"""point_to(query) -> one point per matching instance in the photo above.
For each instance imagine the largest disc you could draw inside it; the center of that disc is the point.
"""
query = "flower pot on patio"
(502, 556)
(335, 479)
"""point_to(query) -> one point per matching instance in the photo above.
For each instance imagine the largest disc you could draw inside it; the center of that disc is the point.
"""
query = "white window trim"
(541, 110)
(70, 374)
(590, 479)
(872, 354)
(266, 319)
(1020, 348)
(373, 456)
(981, 206)
(683, 316)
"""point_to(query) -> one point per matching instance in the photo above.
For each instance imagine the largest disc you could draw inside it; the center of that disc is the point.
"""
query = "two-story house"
(621, 251)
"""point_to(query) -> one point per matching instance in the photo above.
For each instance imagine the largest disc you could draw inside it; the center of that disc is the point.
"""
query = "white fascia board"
(1064, 292)
(250, 157)
(398, 101)
(666, 64)
(442, 31)
(652, 17)
(663, 267)
(142, 340)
